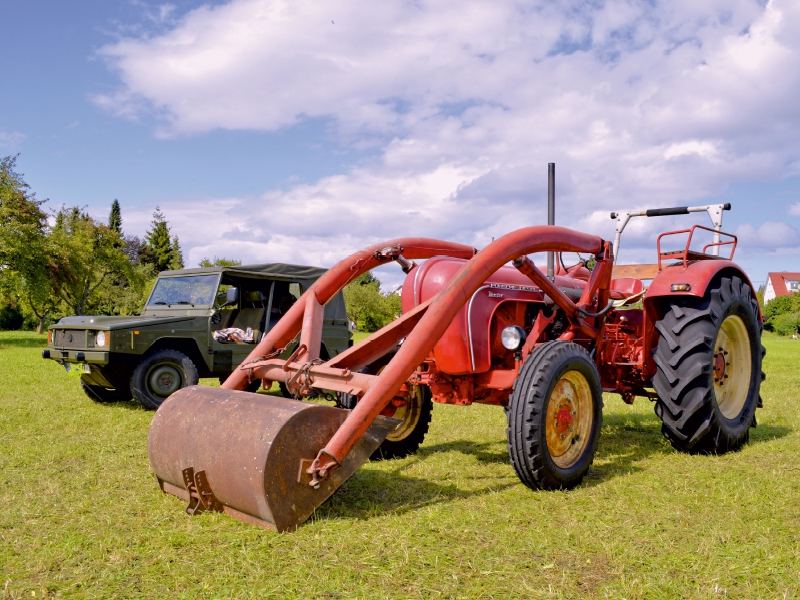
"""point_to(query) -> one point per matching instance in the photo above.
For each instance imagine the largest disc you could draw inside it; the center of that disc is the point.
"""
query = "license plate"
(77, 369)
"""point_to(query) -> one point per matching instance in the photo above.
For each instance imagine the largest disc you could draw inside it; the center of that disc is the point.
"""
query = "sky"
(271, 131)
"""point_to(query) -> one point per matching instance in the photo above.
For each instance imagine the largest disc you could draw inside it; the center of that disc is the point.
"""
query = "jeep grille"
(73, 338)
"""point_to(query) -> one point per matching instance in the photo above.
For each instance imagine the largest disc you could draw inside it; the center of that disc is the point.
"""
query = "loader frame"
(420, 328)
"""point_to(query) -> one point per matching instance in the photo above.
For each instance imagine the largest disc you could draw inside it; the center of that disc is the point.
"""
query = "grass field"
(82, 515)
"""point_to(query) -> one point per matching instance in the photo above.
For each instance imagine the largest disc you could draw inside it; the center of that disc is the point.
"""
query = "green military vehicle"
(196, 323)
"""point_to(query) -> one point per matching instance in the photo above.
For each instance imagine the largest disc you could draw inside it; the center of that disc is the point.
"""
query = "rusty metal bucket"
(246, 454)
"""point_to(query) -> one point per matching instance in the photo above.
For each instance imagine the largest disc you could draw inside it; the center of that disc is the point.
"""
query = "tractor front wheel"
(554, 416)
(709, 368)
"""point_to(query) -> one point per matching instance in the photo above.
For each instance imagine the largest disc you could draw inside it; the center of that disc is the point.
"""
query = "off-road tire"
(177, 369)
(555, 455)
(699, 414)
(407, 437)
(104, 395)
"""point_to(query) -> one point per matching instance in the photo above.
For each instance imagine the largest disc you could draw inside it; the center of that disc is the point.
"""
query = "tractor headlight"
(101, 338)
(513, 337)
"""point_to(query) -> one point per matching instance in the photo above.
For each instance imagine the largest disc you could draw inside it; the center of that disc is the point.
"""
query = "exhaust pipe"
(551, 215)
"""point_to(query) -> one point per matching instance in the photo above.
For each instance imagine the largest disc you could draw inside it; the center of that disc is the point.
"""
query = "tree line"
(64, 262)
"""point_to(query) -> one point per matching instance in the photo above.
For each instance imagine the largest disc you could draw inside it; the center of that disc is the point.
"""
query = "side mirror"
(232, 296)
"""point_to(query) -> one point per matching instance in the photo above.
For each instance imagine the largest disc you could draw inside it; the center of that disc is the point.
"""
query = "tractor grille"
(80, 338)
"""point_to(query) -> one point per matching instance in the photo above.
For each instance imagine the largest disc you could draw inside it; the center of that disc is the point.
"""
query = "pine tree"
(158, 240)
(115, 217)
(177, 255)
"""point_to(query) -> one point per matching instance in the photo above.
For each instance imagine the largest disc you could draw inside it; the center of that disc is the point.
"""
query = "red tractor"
(477, 327)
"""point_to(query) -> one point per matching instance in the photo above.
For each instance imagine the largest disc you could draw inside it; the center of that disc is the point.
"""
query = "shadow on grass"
(767, 433)
(372, 493)
(486, 452)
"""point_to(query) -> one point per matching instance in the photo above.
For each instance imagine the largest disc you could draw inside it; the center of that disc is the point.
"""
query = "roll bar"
(714, 212)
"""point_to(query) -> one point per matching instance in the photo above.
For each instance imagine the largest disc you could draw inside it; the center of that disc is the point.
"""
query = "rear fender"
(698, 274)
(659, 298)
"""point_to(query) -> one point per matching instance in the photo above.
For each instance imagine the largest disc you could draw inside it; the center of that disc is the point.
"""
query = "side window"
(222, 298)
(285, 295)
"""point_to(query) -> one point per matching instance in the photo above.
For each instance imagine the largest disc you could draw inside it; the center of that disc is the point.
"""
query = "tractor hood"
(116, 322)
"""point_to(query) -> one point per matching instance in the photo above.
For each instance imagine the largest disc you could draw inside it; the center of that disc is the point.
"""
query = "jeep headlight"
(513, 337)
(102, 338)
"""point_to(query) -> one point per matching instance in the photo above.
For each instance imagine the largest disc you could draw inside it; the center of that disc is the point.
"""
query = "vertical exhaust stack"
(551, 215)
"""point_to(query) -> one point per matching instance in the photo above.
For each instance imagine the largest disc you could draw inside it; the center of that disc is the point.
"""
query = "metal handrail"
(686, 249)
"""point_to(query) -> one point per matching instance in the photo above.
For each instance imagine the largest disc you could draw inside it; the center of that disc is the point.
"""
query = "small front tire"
(554, 416)
(160, 375)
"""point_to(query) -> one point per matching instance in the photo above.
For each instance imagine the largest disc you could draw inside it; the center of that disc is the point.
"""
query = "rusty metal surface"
(250, 448)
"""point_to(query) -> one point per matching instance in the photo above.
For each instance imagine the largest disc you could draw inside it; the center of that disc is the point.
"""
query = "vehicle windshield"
(195, 290)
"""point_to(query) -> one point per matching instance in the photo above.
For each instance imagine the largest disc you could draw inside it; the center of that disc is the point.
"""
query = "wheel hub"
(719, 367)
(564, 416)
(164, 380)
(569, 419)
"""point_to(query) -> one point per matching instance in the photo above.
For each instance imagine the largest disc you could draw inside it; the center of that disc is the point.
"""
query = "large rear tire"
(709, 368)
(160, 375)
(554, 416)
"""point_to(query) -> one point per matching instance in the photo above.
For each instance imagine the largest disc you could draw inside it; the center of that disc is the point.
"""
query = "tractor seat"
(252, 314)
(625, 287)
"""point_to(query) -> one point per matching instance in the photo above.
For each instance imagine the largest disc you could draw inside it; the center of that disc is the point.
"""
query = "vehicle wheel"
(101, 394)
(415, 415)
(709, 368)
(554, 416)
(161, 374)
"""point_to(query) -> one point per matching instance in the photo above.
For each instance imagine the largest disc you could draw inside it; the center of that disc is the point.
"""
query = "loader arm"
(437, 318)
(336, 278)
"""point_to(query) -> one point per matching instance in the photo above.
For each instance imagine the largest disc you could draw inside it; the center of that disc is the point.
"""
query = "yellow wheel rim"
(409, 413)
(569, 419)
(731, 366)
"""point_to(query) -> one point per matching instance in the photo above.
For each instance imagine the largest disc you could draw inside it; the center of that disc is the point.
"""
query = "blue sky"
(280, 131)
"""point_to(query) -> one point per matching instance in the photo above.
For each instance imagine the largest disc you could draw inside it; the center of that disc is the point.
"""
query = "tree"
(159, 242)
(219, 262)
(89, 255)
(115, 218)
(778, 306)
(177, 255)
(367, 306)
(30, 273)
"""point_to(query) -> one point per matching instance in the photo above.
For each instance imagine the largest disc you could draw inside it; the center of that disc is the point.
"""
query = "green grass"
(82, 515)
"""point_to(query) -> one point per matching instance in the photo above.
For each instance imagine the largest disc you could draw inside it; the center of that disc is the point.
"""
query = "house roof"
(778, 280)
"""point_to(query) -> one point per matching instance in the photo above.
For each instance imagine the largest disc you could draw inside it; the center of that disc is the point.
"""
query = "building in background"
(781, 284)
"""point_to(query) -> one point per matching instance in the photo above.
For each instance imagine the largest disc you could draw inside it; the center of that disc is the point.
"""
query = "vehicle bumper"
(93, 357)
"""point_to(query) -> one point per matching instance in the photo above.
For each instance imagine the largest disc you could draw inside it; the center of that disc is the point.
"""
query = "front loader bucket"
(247, 454)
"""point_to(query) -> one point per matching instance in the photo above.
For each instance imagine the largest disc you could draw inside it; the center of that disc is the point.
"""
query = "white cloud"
(794, 209)
(11, 142)
(770, 236)
(639, 104)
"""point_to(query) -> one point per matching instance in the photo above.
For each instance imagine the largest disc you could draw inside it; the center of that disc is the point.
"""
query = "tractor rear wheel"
(554, 416)
(709, 368)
